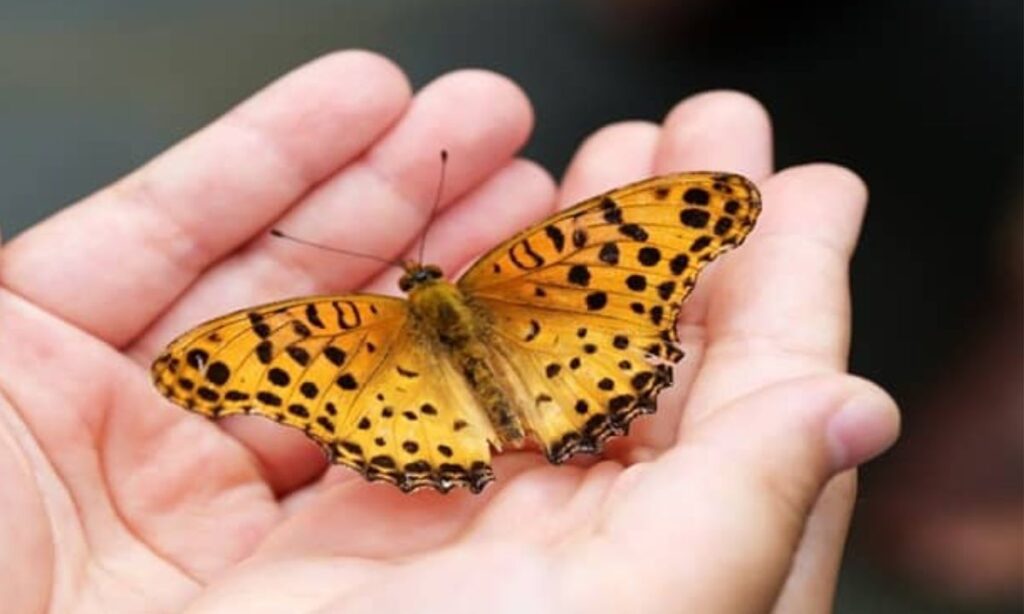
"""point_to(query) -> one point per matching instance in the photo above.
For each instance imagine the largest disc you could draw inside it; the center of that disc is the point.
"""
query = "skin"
(735, 497)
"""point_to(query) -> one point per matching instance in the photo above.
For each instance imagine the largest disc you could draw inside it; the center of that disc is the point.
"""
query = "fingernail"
(862, 429)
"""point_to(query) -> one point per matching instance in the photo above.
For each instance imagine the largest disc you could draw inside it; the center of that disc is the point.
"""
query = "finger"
(113, 262)
(779, 307)
(738, 490)
(376, 206)
(793, 321)
(811, 584)
(725, 131)
(719, 130)
(513, 197)
(614, 155)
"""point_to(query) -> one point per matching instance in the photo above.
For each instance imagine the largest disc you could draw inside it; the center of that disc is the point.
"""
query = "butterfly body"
(458, 331)
(562, 335)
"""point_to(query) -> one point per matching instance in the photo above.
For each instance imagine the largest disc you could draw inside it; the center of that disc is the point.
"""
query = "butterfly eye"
(418, 276)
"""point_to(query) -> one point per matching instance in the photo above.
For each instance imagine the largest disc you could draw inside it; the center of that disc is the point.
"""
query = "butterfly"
(562, 335)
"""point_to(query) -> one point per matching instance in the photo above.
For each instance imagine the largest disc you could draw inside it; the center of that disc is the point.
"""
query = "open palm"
(114, 500)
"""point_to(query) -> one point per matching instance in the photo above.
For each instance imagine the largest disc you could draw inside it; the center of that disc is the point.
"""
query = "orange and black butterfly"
(562, 334)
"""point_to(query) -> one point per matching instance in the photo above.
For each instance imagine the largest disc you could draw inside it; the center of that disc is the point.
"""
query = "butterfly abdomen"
(491, 395)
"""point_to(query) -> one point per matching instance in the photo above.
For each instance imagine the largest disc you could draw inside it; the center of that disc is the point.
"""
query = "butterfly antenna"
(437, 202)
(337, 250)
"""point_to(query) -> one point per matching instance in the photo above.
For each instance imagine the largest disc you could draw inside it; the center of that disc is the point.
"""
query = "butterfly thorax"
(457, 330)
(441, 310)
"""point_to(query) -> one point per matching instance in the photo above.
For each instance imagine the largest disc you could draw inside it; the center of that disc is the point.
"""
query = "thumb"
(790, 438)
(720, 516)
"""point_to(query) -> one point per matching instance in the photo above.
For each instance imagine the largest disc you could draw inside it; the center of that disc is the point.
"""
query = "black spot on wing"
(609, 253)
(335, 354)
(579, 237)
(697, 196)
(679, 263)
(579, 275)
(723, 225)
(649, 256)
(597, 300)
(694, 218)
(348, 314)
(197, 358)
(533, 332)
(347, 382)
(218, 373)
(636, 283)
(522, 256)
(556, 235)
(279, 377)
(612, 213)
(299, 355)
(406, 373)
(309, 390)
(268, 398)
(633, 231)
(700, 244)
(313, 316)
(265, 351)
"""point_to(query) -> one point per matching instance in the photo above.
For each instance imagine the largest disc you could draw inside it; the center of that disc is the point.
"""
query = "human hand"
(117, 501)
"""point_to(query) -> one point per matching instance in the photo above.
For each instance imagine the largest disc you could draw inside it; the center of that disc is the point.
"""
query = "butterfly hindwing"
(584, 304)
(350, 372)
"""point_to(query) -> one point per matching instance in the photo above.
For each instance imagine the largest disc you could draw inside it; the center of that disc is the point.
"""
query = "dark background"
(922, 98)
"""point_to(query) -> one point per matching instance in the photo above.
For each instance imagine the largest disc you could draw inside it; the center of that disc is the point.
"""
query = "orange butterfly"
(562, 334)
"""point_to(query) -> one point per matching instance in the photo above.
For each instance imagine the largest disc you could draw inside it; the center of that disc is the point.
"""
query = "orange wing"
(584, 304)
(347, 371)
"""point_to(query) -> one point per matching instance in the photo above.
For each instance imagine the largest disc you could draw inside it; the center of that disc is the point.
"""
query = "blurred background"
(922, 98)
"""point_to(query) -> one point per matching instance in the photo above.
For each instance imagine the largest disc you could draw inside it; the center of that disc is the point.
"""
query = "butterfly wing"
(584, 304)
(347, 371)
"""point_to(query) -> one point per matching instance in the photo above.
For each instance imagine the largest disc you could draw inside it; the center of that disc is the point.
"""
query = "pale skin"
(735, 497)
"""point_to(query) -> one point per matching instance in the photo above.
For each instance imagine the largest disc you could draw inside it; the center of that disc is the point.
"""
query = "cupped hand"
(734, 497)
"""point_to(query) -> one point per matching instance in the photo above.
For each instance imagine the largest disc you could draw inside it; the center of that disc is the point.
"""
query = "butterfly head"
(417, 274)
